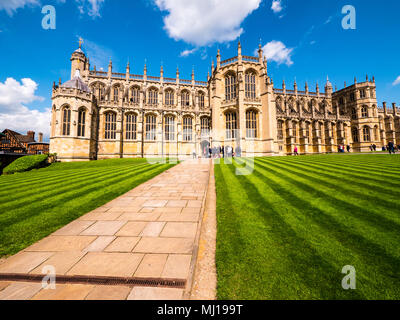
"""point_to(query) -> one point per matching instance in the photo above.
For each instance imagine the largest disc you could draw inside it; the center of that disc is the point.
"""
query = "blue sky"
(304, 41)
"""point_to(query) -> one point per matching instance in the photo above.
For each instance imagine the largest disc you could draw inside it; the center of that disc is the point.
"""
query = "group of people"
(342, 148)
(222, 152)
(391, 147)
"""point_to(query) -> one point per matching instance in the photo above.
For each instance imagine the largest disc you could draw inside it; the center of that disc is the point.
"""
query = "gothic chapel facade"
(100, 115)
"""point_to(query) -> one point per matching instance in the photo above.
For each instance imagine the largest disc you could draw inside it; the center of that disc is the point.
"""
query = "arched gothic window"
(81, 122)
(250, 85)
(185, 98)
(169, 128)
(201, 100)
(231, 125)
(116, 94)
(205, 126)
(131, 126)
(230, 87)
(355, 135)
(366, 134)
(151, 126)
(153, 97)
(110, 131)
(135, 95)
(280, 129)
(251, 123)
(169, 98)
(187, 128)
(66, 121)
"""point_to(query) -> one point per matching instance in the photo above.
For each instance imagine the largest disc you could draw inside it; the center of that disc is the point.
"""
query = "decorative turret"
(317, 88)
(78, 60)
(260, 53)
(328, 87)
(145, 70)
(177, 74)
(239, 49)
(127, 71)
(355, 80)
(295, 85)
(306, 87)
(218, 59)
(193, 76)
(110, 69)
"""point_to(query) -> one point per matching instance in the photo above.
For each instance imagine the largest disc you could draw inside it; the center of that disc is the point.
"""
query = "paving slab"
(151, 266)
(64, 292)
(109, 293)
(107, 264)
(147, 293)
(20, 291)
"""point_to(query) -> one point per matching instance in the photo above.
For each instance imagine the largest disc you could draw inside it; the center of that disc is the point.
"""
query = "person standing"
(391, 147)
(296, 151)
(194, 153)
(223, 151)
(348, 148)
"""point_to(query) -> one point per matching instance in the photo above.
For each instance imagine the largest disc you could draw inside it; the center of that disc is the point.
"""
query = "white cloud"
(397, 81)
(91, 7)
(278, 52)
(277, 6)
(207, 21)
(187, 53)
(14, 114)
(99, 55)
(11, 6)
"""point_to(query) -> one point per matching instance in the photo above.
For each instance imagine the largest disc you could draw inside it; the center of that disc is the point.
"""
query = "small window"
(366, 134)
(187, 129)
(153, 97)
(185, 99)
(201, 100)
(364, 112)
(135, 95)
(169, 98)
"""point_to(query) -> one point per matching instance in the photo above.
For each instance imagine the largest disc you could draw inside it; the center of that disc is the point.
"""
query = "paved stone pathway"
(150, 232)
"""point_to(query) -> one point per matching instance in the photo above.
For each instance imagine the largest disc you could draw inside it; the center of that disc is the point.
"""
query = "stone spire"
(260, 53)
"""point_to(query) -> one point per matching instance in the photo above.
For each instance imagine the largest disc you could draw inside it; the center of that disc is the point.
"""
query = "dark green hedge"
(26, 163)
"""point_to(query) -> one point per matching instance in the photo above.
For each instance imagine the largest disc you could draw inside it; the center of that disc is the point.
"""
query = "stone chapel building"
(99, 115)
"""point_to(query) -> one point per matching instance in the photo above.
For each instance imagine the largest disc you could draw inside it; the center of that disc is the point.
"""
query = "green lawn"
(287, 230)
(35, 204)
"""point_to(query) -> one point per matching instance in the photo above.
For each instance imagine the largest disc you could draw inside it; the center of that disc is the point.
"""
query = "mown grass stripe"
(288, 271)
(343, 178)
(335, 196)
(337, 219)
(44, 174)
(368, 252)
(50, 185)
(45, 201)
